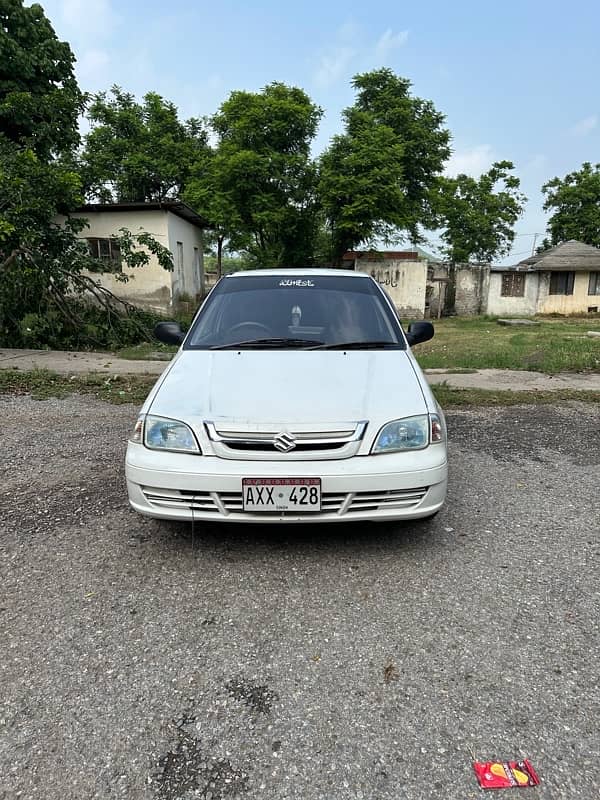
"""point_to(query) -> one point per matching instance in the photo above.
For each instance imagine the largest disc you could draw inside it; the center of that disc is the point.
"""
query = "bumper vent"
(342, 503)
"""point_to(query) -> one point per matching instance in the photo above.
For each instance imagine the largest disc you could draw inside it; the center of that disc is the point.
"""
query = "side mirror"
(169, 333)
(419, 332)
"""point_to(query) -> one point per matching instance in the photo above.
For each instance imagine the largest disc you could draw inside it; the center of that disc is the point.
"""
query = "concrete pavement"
(71, 363)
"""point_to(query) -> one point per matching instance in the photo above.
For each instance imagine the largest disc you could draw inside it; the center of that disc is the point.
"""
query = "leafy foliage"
(376, 178)
(477, 215)
(44, 264)
(137, 152)
(360, 187)
(39, 97)
(260, 182)
(47, 296)
(575, 205)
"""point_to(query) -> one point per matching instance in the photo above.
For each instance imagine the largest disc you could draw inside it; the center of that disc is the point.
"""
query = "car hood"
(284, 386)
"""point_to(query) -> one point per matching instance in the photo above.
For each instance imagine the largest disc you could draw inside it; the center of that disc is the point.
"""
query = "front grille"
(269, 447)
(278, 443)
(342, 503)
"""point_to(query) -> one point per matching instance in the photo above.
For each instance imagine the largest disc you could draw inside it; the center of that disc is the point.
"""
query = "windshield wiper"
(271, 342)
(372, 345)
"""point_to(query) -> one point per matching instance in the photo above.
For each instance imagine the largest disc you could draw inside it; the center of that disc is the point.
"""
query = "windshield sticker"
(297, 282)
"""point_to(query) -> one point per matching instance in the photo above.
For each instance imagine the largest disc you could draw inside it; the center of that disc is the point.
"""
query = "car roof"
(287, 271)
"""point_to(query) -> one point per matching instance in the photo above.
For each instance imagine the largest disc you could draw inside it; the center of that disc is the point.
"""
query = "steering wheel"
(256, 326)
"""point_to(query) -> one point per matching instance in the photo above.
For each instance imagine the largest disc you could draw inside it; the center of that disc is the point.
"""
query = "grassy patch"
(148, 351)
(42, 384)
(449, 397)
(553, 346)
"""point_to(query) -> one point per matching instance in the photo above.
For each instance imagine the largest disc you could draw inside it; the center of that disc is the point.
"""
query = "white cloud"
(388, 42)
(333, 66)
(86, 18)
(349, 53)
(472, 161)
(585, 126)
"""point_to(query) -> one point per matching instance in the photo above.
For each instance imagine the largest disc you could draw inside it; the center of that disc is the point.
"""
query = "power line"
(535, 233)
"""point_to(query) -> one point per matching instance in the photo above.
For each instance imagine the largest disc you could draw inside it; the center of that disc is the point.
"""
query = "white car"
(294, 397)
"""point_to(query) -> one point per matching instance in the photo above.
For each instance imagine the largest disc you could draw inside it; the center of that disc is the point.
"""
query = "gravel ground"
(355, 661)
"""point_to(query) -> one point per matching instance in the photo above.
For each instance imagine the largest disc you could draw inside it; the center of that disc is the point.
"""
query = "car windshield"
(299, 311)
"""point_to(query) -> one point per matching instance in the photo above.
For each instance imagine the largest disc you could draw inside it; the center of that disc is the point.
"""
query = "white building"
(174, 225)
(562, 280)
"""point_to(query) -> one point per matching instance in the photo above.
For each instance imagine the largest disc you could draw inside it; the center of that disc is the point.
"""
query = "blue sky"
(516, 80)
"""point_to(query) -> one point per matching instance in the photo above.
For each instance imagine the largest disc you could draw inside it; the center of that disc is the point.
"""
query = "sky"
(516, 80)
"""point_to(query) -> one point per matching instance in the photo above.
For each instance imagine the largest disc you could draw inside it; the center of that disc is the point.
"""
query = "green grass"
(555, 345)
(466, 344)
(449, 397)
(148, 351)
(42, 384)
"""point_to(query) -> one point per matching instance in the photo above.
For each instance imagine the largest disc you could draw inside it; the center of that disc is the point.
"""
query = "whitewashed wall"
(404, 281)
(151, 286)
(190, 279)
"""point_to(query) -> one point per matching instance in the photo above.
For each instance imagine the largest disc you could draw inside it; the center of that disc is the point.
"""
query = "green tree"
(45, 291)
(138, 152)
(260, 186)
(376, 178)
(575, 205)
(204, 192)
(479, 214)
(43, 283)
(40, 101)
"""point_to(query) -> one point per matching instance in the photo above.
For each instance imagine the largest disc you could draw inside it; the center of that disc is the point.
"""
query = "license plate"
(281, 494)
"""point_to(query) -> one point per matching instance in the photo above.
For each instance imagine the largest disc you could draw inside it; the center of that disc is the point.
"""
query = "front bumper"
(384, 487)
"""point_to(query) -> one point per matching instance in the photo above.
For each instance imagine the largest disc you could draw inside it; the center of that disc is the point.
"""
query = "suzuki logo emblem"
(284, 442)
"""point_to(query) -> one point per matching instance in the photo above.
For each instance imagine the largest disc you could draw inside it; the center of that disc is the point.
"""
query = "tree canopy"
(478, 214)
(138, 152)
(43, 261)
(260, 182)
(377, 177)
(40, 100)
(575, 205)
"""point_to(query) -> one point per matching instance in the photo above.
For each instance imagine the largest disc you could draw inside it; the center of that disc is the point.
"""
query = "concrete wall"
(404, 281)
(537, 298)
(576, 303)
(190, 279)
(471, 284)
(151, 286)
(513, 306)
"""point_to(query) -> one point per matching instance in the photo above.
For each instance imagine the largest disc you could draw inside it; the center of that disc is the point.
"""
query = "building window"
(562, 282)
(594, 285)
(513, 284)
(108, 251)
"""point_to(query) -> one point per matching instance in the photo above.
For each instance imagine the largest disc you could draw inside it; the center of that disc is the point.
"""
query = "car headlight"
(410, 433)
(160, 433)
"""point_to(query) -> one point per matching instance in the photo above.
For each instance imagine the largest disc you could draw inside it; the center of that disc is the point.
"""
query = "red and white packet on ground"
(505, 774)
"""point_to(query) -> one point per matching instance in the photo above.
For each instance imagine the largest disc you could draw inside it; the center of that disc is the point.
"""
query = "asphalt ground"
(351, 661)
